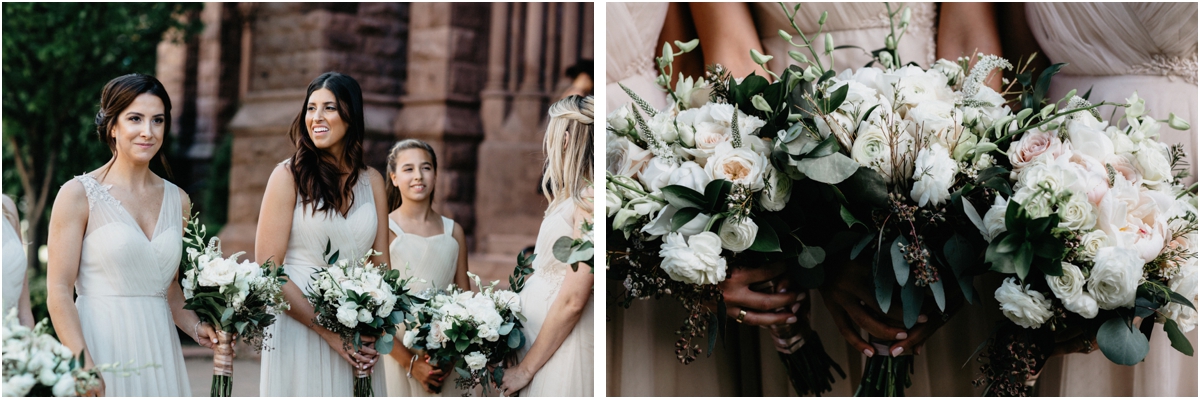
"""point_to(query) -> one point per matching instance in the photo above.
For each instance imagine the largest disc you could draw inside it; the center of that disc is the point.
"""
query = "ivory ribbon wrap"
(788, 338)
(223, 355)
(361, 373)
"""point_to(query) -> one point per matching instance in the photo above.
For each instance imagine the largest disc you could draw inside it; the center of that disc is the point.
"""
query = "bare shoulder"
(186, 201)
(282, 179)
(9, 205)
(458, 233)
(71, 201)
(377, 181)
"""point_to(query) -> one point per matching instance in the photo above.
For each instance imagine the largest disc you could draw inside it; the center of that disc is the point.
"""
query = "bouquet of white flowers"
(36, 364)
(470, 330)
(360, 299)
(239, 299)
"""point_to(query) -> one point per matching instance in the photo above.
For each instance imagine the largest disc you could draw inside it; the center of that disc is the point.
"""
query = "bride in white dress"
(16, 285)
(322, 194)
(116, 240)
(425, 246)
(557, 301)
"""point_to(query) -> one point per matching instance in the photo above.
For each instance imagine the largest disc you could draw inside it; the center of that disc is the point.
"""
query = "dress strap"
(447, 226)
(96, 192)
(395, 227)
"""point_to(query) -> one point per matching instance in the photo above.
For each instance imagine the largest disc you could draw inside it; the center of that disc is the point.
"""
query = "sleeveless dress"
(14, 267)
(569, 370)
(1117, 48)
(122, 288)
(632, 42)
(432, 262)
(298, 362)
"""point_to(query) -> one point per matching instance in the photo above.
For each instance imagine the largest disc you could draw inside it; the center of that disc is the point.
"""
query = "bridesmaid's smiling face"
(325, 125)
(140, 127)
(414, 174)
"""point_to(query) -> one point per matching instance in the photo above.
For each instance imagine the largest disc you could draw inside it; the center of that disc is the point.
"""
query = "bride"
(558, 300)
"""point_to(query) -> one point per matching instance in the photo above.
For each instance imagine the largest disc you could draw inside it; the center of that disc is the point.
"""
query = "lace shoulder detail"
(1171, 66)
(96, 192)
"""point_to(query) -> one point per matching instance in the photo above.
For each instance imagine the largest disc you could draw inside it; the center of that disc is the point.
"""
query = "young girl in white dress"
(426, 246)
(557, 301)
(116, 238)
(323, 194)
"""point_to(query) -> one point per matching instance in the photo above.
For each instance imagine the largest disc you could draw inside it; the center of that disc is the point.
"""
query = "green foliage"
(213, 193)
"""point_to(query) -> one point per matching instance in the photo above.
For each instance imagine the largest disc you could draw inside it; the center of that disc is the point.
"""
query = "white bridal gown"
(297, 361)
(14, 265)
(122, 288)
(569, 371)
(1116, 49)
(431, 261)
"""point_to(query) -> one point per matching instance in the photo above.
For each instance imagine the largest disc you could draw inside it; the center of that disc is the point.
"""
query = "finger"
(846, 328)
(916, 337)
(755, 318)
(864, 319)
(751, 300)
(757, 274)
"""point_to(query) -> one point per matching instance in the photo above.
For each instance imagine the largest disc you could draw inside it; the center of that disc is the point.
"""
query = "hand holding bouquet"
(359, 300)
(469, 330)
(36, 364)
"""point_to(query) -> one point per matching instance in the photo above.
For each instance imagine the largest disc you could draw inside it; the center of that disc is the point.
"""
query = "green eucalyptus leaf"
(912, 297)
(1121, 344)
(1179, 341)
(861, 245)
(899, 265)
(832, 169)
(811, 256)
(849, 217)
(939, 294)
(885, 282)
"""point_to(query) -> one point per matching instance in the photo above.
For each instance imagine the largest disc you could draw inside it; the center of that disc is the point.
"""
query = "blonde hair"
(394, 198)
(568, 146)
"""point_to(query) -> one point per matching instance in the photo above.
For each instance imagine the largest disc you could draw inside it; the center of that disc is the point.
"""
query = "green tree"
(57, 58)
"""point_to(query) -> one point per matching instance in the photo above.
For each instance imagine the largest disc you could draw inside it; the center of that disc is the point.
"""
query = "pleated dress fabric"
(15, 264)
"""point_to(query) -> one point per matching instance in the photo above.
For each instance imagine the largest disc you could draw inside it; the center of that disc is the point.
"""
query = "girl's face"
(139, 129)
(414, 174)
(325, 125)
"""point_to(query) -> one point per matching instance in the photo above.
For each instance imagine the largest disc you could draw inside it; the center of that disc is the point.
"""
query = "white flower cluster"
(34, 358)
(1114, 189)
(491, 314)
(237, 281)
(373, 297)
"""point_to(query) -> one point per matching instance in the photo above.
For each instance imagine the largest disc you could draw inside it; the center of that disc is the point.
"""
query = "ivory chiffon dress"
(569, 371)
(1116, 49)
(431, 261)
(297, 361)
(15, 264)
(122, 293)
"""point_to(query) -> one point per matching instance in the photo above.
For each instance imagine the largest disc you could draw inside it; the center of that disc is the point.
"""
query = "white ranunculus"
(65, 386)
(348, 315)
(410, 336)
(934, 174)
(1026, 307)
(624, 158)
(654, 176)
(1115, 277)
(619, 119)
(475, 360)
(737, 236)
(694, 260)
(1077, 213)
(1087, 137)
(1059, 175)
(777, 192)
(872, 148)
(738, 165)
(993, 220)
(1153, 163)
(689, 175)
(217, 273)
(1091, 243)
(1069, 289)
(364, 315)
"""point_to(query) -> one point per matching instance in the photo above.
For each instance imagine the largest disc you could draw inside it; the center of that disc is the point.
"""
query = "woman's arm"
(24, 308)
(679, 26)
(965, 29)
(460, 271)
(187, 320)
(68, 222)
(379, 192)
(727, 35)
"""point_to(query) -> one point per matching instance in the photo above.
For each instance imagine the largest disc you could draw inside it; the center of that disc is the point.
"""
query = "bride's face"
(139, 129)
(414, 174)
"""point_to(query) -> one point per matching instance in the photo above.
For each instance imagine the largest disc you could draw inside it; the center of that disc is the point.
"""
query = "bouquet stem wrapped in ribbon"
(222, 385)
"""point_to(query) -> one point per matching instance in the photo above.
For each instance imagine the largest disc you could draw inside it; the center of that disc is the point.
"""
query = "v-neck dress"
(122, 287)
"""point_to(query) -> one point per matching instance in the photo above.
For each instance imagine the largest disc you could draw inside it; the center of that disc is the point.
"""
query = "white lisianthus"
(914, 86)
(348, 315)
(934, 119)
(1069, 289)
(475, 360)
(737, 236)
(410, 336)
(738, 165)
(662, 126)
(872, 149)
(1115, 277)
(993, 220)
(634, 210)
(1077, 213)
(1153, 163)
(1028, 308)
(1091, 243)
(934, 174)
(189, 281)
(694, 260)
(844, 124)
(778, 191)
(661, 223)
(619, 119)
(217, 272)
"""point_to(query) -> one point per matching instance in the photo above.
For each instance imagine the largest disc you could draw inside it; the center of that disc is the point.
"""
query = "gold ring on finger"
(741, 317)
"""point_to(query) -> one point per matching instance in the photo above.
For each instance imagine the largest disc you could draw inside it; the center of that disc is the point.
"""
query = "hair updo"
(568, 146)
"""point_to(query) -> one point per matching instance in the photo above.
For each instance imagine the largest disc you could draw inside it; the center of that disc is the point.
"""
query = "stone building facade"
(472, 79)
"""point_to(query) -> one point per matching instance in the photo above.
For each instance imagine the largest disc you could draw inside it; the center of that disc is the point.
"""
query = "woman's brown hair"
(317, 176)
(117, 95)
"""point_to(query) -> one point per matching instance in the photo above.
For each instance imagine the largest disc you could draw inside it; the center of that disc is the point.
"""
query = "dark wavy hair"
(316, 173)
(117, 95)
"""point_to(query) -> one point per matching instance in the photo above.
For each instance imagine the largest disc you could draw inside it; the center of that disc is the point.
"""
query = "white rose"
(1091, 243)
(19, 385)
(1069, 289)
(347, 315)
(934, 174)
(65, 386)
(624, 158)
(993, 220)
(778, 191)
(654, 176)
(437, 334)
(1077, 213)
(737, 236)
(738, 165)
(1026, 307)
(1032, 145)
(1087, 137)
(662, 126)
(410, 336)
(619, 119)
(689, 175)
(872, 148)
(217, 273)
(1115, 277)
(695, 260)
(475, 360)
(1152, 162)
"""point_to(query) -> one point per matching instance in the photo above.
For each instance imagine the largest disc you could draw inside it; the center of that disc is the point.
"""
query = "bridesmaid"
(557, 301)
(16, 284)
(126, 275)
(426, 246)
(312, 199)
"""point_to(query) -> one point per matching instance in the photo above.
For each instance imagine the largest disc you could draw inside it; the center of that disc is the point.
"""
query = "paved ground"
(199, 368)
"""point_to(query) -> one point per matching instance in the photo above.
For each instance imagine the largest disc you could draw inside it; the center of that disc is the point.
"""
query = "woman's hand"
(515, 379)
(850, 298)
(334, 340)
(759, 307)
(98, 390)
(206, 336)
(366, 353)
(427, 375)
